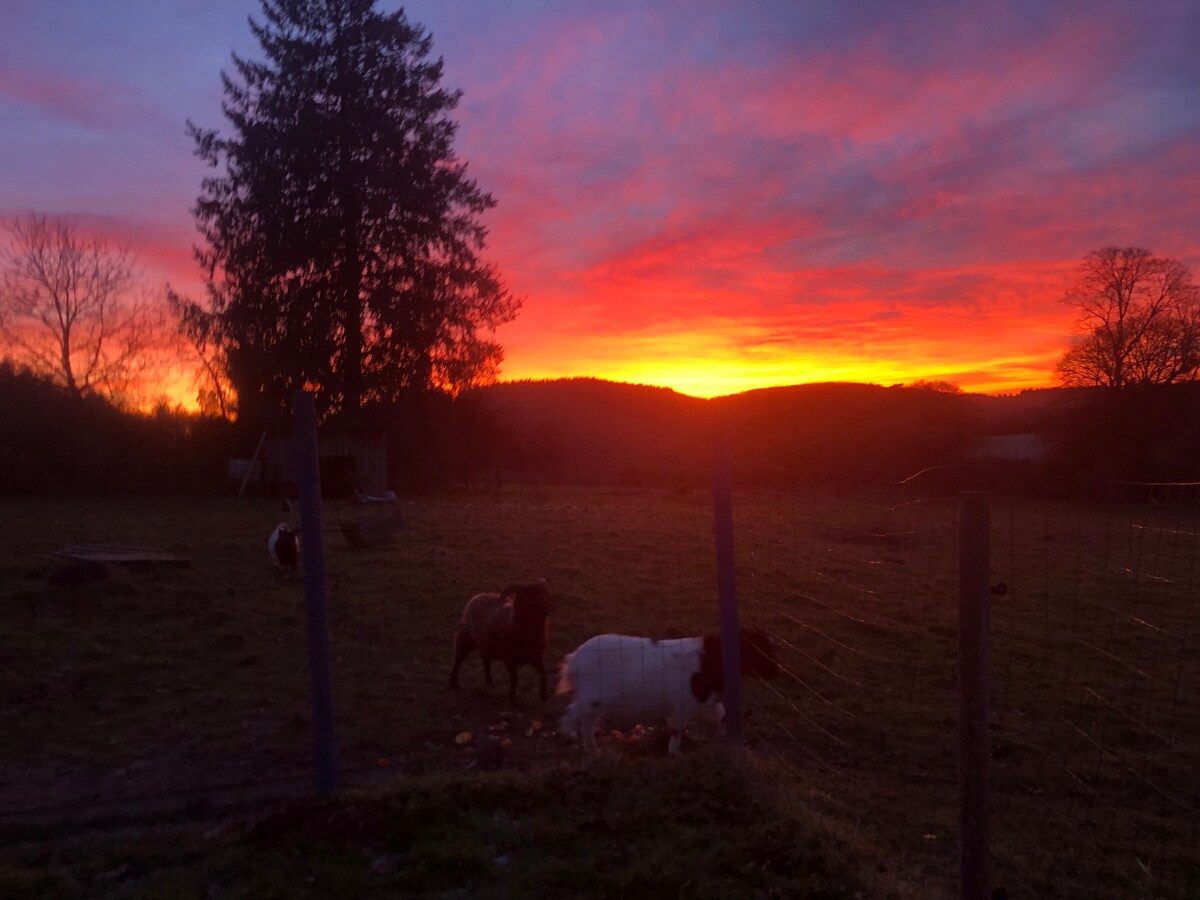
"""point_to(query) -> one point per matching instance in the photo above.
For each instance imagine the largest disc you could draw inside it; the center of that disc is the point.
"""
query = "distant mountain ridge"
(588, 430)
(592, 431)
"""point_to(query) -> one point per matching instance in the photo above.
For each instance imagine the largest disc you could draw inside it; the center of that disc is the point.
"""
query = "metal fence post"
(308, 485)
(974, 691)
(727, 588)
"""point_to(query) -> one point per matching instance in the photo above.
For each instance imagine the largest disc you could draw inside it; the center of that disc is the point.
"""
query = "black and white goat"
(511, 626)
(641, 678)
(283, 546)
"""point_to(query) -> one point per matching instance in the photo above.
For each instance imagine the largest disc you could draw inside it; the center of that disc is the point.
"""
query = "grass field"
(176, 682)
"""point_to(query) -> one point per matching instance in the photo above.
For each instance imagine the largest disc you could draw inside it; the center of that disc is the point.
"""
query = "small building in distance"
(1028, 447)
(352, 461)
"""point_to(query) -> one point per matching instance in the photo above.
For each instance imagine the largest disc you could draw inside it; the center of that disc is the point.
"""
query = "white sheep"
(637, 677)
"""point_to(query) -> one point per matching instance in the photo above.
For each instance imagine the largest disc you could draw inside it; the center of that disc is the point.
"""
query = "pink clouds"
(81, 101)
(875, 203)
(708, 193)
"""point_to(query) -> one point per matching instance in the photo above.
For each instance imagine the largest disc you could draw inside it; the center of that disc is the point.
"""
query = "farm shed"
(1029, 447)
(351, 460)
(1021, 464)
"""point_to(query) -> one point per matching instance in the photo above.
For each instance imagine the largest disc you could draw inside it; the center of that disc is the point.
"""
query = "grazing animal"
(283, 546)
(511, 626)
(639, 677)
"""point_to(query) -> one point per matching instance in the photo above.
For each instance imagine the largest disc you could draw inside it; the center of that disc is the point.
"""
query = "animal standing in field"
(511, 626)
(643, 678)
(283, 546)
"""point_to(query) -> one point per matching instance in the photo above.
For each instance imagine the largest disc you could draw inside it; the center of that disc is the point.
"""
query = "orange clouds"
(1002, 332)
(891, 207)
(714, 196)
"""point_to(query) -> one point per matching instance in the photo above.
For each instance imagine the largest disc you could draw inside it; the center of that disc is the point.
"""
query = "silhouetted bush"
(58, 444)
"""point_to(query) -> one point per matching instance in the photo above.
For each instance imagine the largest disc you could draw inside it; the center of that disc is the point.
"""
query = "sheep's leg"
(541, 670)
(575, 719)
(587, 731)
(569, 721)
(676, 736)
(512, 683)
(463, 645)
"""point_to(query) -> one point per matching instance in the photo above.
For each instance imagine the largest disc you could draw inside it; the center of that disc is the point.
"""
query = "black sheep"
(511, 626)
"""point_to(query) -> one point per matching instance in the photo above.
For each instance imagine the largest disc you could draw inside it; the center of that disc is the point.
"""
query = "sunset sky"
(710, 196)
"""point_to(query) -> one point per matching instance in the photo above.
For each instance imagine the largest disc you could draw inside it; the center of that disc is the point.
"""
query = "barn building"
(351, 461)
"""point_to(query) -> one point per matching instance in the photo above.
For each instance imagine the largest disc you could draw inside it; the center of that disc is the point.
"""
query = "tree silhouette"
(214, 393)
(343, 237)
(70, 308)
(1141, 320)
(937, 385)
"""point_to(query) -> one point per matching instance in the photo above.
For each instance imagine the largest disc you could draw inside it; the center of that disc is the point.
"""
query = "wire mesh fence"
(858, 593)
(185, 680)
(1095, 719)
(1098, 696)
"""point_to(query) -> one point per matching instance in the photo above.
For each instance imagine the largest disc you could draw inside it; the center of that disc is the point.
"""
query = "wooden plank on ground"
(120, 554)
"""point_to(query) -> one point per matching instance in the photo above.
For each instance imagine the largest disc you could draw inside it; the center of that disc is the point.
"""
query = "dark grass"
(693, 828)
(166, 680)
(1096, 682)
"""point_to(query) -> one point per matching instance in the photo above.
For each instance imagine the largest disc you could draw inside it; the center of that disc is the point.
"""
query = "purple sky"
(711, 196)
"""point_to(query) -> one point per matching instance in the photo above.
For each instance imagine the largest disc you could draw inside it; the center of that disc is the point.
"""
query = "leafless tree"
(214, 394)
(1140, 321)
(71, 308)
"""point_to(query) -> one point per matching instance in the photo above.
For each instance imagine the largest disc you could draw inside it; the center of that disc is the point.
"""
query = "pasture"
(157, 688)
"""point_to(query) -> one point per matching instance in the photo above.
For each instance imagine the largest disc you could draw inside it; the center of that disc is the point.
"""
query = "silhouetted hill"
(592, 431)
(1041, 409)
(600, 432)
(588, 431)
(845, 430)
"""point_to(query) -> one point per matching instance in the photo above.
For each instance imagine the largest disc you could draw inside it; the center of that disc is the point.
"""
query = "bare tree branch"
(70, 308)
(1140, 315)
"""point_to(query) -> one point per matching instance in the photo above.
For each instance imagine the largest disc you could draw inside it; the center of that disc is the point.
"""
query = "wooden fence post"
(974, 691)
(308, 485)
(727, 588)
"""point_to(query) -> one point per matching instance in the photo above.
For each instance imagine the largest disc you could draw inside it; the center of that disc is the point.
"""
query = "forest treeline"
(586, 431)
(57, 442)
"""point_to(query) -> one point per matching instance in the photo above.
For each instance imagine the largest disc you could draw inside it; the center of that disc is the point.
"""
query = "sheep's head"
(530, 601)
(758, 656)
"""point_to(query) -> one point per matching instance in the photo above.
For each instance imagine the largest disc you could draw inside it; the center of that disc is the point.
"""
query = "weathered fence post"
(308, 485)
(727, 588)
(974, 691)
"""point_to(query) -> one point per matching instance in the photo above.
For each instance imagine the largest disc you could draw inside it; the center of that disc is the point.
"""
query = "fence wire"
(1095, 662)
(1095, 720)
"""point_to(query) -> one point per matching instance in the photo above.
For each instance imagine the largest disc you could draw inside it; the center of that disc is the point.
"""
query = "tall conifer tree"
(343, 234)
